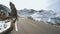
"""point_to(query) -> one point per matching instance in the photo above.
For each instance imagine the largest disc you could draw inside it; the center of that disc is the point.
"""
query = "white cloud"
(20, 4)
(54, 5)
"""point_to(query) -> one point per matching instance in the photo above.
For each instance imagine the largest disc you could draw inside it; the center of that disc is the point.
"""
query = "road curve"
(27, 26)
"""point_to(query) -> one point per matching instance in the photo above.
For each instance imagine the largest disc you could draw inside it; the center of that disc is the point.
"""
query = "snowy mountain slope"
(43, 15)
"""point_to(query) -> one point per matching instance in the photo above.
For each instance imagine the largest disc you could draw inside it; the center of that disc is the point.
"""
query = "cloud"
(54, 5)
(30, 4)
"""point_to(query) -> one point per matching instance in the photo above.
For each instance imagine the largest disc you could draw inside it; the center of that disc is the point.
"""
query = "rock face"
(56, 20)
(7, 18)
(4, 9)
(13, 10)
(47, 16)
(44, 15)
(4, 12)
(25, 12)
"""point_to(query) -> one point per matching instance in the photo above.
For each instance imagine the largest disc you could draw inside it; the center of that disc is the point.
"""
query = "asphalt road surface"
(27, 26)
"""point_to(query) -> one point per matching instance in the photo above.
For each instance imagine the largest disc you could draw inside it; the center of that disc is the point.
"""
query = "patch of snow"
(3, 24)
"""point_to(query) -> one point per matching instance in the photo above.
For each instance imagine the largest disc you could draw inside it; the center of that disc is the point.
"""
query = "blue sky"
(34, 4)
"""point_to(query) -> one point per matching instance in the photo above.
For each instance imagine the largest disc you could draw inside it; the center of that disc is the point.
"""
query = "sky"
(33, 4)
(54, 5)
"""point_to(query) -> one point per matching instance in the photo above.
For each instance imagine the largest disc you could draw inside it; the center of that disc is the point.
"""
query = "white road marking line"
(16, 28)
